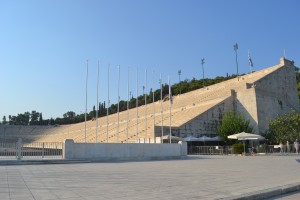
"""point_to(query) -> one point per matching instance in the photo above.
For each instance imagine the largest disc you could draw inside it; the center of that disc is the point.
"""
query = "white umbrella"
(167, 137)
(204, 138)
(190, 138)
(245, 136)
(217, 138)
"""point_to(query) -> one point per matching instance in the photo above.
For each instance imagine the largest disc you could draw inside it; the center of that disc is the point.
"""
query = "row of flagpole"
(235, 46)
(128, 99)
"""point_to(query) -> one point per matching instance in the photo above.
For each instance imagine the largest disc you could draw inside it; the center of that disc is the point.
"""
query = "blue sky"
(44, 46)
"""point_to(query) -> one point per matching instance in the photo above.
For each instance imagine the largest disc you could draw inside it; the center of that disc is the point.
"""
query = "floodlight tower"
(235, 48)
(179, 74)
(202, 63)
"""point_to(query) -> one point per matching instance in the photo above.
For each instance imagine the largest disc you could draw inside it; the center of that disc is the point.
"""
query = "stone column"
(68, 149)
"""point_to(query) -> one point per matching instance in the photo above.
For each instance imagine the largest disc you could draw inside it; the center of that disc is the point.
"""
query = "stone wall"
(245, 103)
(207, 122)
(276, 94)
(120, 152)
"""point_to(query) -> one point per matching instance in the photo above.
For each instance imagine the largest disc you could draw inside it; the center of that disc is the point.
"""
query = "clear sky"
(45, 45)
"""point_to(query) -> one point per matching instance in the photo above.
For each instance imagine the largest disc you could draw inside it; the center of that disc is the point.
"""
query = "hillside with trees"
(70, 117)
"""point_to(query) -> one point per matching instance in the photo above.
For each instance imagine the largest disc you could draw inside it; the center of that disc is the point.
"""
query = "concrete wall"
(276, 94)
(245, 103)
(207, 122)
(264, 99)
(119, 152)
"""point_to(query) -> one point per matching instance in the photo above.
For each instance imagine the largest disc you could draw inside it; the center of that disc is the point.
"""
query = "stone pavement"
(197, 177)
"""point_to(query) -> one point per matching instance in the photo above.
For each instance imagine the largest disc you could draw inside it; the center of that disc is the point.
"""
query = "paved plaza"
(197, 177)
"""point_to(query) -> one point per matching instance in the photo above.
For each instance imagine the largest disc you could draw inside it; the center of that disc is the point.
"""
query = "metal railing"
(40, 150)
(8, 150)
(275, 149)
(209, 150)
(222, 150)
(35, 150)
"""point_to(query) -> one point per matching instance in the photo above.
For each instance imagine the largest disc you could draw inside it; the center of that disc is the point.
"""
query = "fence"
(221, 150)
(35, 150)
(209, 150)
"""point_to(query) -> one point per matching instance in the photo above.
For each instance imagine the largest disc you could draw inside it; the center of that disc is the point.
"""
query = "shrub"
(238, 148)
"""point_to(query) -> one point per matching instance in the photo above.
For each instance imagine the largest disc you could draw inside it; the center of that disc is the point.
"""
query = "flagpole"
(97, 105)
(161, 110)
(250, 61)
(137, 106)
(170, 100)
(153, 104)
(107, 112)
(202, 63)
(128, 96)
(87, 72)
(118, 104)
(145, 106)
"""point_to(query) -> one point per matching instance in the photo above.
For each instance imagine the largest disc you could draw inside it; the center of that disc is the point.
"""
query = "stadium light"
(235, 48)
(202, 63)
(97, 105)
(179, 74)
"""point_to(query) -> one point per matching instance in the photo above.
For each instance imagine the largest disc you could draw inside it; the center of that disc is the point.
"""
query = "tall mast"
(97, 105)
(87, 72)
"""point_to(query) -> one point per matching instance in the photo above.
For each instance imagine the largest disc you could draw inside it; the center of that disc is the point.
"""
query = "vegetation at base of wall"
(233, 123)
(238, 148)
(284, 128)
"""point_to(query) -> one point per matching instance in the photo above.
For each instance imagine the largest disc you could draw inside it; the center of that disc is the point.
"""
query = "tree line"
(70, 117)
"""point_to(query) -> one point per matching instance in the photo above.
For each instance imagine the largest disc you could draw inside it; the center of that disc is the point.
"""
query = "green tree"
(34, 116)
(284, 128)
(233, 123)
(298, 80)
(4, 120)
(41, 117)
(68, 118)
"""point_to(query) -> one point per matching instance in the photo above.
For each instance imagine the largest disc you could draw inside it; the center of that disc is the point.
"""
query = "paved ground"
(198, 177)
